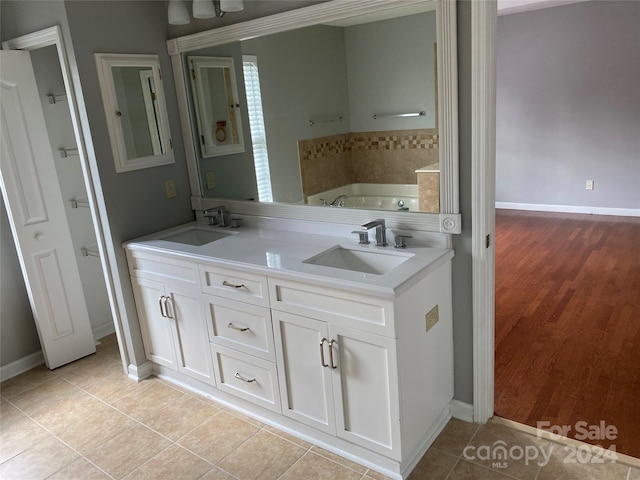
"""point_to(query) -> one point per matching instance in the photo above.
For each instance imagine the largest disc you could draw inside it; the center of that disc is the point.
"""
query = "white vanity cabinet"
(339, 380)
(241, 335)
(171, 313)
(362, 369)
(370, 369)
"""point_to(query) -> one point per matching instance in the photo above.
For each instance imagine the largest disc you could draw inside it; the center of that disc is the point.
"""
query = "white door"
(38, 221)
(304, 370)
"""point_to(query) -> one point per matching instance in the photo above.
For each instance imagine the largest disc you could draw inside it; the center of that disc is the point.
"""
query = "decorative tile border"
(390, 140)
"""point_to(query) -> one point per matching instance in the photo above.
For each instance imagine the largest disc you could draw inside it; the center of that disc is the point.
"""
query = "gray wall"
(462, 262)
(391, 70)
(568, 105)
(18, 335)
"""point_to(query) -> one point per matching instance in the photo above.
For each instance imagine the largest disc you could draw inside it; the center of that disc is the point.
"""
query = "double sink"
(353, 259)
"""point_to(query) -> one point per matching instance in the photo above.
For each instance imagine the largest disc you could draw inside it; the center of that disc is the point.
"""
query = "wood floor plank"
(568, 321)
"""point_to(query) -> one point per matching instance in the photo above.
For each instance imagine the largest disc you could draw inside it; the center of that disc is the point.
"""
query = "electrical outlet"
(170, 187)
(211, 180)
(431, 318)
(589, 184)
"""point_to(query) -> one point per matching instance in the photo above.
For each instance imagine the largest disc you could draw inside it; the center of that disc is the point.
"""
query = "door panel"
(305, 385)
(157, 330)
(38, 220)
(366, 366)
(188, 315)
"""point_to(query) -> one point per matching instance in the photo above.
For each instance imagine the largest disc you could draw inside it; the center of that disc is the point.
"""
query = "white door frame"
(483, 162)
(53, 36)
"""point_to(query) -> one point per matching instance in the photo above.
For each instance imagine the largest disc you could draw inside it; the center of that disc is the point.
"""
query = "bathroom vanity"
(346, 345)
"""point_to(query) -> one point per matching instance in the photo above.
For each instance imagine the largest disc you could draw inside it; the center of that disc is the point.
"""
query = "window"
(256, 124)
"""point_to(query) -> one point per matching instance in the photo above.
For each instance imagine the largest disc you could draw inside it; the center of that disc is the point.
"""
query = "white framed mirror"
(135, 110)
(238, 39)
(217, 108)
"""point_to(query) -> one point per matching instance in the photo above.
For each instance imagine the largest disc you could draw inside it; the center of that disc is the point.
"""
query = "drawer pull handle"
(322, 361)
(227, 284)
(244, 379)
(333, 365)
(240, 329)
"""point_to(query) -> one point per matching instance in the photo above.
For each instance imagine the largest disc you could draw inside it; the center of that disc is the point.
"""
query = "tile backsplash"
(365, 157)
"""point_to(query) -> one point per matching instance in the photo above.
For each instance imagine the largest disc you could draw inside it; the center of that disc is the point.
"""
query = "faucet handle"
(400, 241)
(363, 236)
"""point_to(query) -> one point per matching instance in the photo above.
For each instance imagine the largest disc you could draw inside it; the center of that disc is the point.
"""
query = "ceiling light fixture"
(179, 13)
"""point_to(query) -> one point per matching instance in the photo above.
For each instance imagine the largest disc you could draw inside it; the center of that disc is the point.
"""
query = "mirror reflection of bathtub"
(421, 197)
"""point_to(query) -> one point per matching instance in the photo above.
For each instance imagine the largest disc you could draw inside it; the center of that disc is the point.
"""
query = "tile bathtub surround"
(365, 157)
(61, 425)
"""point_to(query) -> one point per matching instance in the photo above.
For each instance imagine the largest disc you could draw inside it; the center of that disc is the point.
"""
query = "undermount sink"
(365, 261)
(195, 236)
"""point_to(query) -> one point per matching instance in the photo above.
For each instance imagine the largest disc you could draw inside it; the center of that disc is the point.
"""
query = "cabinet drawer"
(241, 326)
(353, 310)
(245, 287)
(163, 269)
(247, 377)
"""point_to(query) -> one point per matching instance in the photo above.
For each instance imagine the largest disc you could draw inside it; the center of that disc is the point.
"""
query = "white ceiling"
(506, 7)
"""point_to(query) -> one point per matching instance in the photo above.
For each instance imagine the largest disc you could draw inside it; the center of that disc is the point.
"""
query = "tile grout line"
(58, 439)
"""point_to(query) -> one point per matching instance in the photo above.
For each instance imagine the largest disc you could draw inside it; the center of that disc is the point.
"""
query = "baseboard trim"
(540, 207)
(103, 330)
(21, 365)
(138, 373)
(461, 410)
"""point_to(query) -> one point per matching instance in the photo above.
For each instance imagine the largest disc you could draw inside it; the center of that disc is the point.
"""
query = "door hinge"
(487, 241)
(193, 74)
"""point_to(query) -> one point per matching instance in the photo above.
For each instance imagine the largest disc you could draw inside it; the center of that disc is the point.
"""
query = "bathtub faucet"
(339, 201)
(381, 233)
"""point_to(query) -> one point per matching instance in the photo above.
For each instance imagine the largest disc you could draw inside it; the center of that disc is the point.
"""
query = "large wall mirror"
(346, 107)
(135, 110)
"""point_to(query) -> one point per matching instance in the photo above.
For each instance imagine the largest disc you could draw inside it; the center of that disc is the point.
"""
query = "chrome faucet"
(338, 201)
(211, 214)
(381, 233)
(222, 215)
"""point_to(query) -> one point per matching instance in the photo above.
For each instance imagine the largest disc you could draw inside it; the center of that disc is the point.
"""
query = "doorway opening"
(50, 203)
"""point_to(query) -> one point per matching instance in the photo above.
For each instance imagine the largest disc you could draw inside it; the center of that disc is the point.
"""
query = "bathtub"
(375, 196)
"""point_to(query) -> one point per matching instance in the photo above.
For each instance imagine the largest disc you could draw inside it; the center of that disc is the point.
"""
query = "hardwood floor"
(568, 322)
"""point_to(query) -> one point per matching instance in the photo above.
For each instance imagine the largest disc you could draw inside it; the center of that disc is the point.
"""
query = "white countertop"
(282, 253)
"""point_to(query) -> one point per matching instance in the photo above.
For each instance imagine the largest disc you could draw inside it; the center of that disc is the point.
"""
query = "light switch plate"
(170, 187)
(211, 180)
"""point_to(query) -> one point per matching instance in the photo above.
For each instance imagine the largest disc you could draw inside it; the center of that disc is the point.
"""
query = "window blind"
(256, 123)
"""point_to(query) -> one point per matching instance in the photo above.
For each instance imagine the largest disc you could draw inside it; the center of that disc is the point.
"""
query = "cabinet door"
(365, 388)
(305, 384)
(186, 309)
(157, 330)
